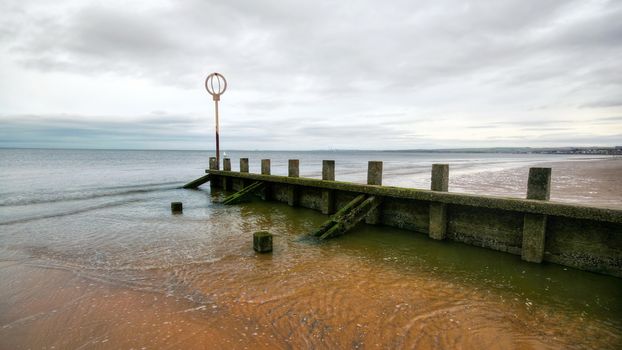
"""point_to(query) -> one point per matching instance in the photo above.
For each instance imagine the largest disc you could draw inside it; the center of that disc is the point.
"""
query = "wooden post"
(328, 196)
(226, 164)
(374, 177)
(534, 225)
(177, 207)
(265, 170)
(293, 170)
(262, 242)
(244, 165)
(438, 211)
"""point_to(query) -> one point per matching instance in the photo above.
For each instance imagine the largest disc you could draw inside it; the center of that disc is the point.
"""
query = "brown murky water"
(126, 274)
(375, 288)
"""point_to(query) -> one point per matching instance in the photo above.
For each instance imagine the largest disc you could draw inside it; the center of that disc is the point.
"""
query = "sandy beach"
(593, 182)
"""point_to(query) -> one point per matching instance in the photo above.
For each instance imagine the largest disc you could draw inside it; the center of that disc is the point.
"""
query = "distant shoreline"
(596, 150)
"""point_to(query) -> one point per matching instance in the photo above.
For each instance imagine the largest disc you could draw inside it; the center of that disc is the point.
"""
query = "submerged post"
(534, 225)
(438, 211)
(328, 196)
(374, 177)
(244, 165)
(262, 241)
(293, 170)
(177, 207)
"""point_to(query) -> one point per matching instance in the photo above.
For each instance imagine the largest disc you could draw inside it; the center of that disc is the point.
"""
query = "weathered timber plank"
(338, 215)
(243, 193)
(198, 182)
(352, 218)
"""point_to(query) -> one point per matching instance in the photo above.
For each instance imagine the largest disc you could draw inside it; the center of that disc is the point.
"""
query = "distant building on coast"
(617, 150)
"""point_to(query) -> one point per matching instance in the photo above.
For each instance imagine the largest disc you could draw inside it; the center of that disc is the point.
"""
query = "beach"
(91, 258)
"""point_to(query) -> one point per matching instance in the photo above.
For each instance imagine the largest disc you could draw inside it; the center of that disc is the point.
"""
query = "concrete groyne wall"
(583, 237)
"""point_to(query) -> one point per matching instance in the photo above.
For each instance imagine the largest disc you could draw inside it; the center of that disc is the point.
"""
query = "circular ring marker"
(216, 85)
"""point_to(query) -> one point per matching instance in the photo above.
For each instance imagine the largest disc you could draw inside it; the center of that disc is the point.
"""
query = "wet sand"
(307, 305)
(595, 182)
(134, 277)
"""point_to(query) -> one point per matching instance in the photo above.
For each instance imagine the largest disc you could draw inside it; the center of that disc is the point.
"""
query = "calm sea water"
(91, 257)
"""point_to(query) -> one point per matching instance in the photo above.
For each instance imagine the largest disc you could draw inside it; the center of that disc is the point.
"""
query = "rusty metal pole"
(216, 91)
(217, 134)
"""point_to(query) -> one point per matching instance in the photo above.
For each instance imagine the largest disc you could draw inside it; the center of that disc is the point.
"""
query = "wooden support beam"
(338, 215)
(198, 182)
(243, 194)
(353, 217)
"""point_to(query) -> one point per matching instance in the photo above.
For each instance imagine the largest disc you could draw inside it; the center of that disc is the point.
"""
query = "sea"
(91, 257)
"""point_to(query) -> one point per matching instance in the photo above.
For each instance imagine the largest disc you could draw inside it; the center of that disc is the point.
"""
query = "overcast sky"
(311, 74)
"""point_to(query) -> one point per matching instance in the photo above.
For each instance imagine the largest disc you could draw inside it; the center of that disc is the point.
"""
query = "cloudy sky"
(311, 74)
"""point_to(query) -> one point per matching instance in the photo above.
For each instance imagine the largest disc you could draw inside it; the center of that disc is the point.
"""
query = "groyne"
(534, 228)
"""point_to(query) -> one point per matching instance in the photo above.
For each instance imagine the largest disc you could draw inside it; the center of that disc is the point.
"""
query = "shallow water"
(90, 257)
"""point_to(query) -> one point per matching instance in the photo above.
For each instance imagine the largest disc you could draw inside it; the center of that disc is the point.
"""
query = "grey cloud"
(603, 103)
(331, 71)
(399, 45)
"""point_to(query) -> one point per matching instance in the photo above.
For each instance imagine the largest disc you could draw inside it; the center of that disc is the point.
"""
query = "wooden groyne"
(583, 237)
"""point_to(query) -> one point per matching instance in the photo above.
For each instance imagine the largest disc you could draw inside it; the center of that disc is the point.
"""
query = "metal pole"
(216, 91)
(217, 136)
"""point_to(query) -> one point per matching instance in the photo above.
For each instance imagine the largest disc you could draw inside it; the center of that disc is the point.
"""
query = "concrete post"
(177, 207)
(265, 167)
(534, 225)
(262, 241)
(328, 196)
(374, 177)
(226, 181)
(293, 169)
(244, 165)
(328, 170)
(292, 192)
(438, 211)
(213, 164)
(440, 177)
(539, 184)
(374, 173)
(215, 180)
(265, 170)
